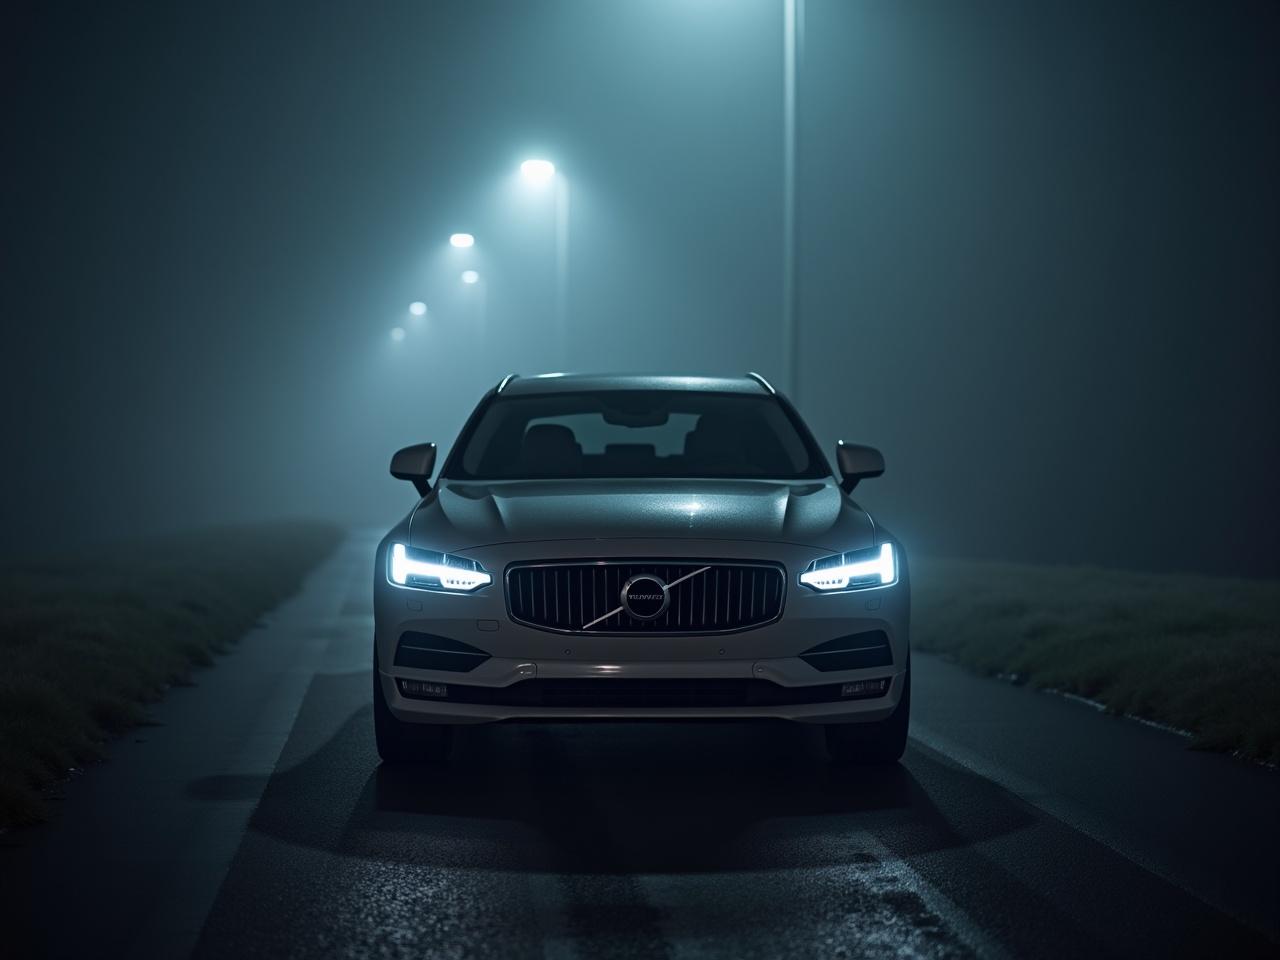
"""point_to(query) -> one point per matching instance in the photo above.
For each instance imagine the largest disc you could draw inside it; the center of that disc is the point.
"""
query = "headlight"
(877, 567)
(428, 570)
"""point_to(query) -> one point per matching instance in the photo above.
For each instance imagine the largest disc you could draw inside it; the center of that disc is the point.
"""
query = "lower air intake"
(426, 651)
(854, 652)
(613, 692)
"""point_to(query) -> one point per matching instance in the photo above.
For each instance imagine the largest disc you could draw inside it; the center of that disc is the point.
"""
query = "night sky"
(1039, 252)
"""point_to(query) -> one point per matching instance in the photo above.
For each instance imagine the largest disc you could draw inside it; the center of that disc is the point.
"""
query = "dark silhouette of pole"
(793, 50)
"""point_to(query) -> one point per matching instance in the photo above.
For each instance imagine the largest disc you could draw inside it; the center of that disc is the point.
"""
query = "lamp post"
(538, 173)
(793, 50)
(474, 291)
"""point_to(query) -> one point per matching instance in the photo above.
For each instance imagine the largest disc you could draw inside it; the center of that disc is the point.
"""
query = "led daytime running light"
(448, 576)
(878, 570)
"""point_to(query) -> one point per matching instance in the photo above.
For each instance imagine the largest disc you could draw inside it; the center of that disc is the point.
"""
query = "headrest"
(550, 449)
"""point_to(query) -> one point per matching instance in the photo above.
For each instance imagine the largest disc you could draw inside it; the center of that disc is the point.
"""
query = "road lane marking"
(1048, 802)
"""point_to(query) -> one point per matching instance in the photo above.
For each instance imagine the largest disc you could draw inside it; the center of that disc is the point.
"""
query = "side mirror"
(415, 465)
(857, 462)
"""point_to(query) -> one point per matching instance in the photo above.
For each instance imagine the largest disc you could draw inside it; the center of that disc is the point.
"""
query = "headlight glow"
(861, 570)
(428, 570)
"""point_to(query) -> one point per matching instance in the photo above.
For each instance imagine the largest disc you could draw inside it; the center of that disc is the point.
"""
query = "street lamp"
(418, 308)
(792, 53)
(470, 276)
(462, 240)
(538, 173)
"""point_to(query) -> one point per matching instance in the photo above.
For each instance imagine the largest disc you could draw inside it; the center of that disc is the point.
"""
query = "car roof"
(595, 382)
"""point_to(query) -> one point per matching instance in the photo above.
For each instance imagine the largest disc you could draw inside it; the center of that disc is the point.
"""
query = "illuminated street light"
(470, 276)
(792, 54)
(397, 334)
(538, 172)
(462, 240)
(417, 308)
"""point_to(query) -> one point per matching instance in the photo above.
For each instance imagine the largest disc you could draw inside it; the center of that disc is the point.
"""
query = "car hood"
(456, 516)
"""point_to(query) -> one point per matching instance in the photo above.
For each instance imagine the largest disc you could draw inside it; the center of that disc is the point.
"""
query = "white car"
(621, 547)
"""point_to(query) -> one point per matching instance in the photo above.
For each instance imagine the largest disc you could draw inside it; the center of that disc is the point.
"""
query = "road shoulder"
(1204, 821)
(142, 842)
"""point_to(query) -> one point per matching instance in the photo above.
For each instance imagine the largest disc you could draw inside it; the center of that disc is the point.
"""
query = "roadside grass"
(1200, 654)
(87, 641)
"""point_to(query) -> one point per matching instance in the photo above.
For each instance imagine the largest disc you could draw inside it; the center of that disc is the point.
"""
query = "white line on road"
(1043, 799)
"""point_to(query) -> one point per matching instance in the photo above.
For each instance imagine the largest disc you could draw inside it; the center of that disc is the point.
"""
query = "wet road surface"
(638, 840)
(665, 840)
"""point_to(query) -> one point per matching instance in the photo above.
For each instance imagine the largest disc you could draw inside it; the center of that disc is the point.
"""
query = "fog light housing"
(422, 689)
(865, 689)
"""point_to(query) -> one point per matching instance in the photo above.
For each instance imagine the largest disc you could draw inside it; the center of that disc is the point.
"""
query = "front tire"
(879, 743)
(400, 742)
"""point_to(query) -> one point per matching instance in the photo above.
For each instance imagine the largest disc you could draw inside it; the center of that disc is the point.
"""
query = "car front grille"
(709, 596)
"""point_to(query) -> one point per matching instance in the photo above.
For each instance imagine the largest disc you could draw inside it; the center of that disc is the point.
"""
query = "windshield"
(650, 433)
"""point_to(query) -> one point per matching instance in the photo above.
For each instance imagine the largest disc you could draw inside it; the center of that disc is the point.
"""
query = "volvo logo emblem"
(645, 597)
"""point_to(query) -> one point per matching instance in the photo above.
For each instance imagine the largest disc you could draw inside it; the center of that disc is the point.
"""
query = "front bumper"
(766, 657)
(452, 711)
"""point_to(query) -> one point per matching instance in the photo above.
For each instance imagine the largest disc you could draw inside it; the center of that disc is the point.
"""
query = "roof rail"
(761, 380)
(505, 380)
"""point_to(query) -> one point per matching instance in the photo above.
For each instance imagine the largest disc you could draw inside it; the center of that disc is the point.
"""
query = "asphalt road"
(255, 821)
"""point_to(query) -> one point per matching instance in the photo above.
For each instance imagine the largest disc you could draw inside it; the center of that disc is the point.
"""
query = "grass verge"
(87, 641)
(1200, 654)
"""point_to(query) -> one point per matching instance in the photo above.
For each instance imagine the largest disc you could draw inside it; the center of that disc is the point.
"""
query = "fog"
(1039, 252)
